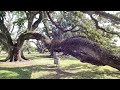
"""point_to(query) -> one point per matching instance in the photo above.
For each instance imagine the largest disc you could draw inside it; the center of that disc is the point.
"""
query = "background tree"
(14, 47)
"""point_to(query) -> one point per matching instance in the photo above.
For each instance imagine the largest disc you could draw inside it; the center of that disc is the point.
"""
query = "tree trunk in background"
(40, 47)
(27, 47)
(28, 50)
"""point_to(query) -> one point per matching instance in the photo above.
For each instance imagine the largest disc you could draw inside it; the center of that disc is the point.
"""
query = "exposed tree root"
(19, 60)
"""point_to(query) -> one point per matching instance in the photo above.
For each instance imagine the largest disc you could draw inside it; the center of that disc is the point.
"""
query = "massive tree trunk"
(15, 53)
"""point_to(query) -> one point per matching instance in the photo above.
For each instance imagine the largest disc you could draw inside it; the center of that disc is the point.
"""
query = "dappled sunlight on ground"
(43, 68)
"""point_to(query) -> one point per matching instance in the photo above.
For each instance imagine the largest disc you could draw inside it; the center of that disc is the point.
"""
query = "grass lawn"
(40, 67)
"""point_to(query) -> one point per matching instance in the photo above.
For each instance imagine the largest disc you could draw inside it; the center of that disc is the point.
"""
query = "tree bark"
(22, 55)
(15, 53)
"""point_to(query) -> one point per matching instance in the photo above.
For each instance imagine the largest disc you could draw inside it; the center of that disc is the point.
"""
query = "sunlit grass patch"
(7, 74)
(41, 67)
(43, 75)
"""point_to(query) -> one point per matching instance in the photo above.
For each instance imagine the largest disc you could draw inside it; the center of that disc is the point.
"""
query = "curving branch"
(105, 15)
(57, 25)
(36, 36)
(98, 27)
(108, 16)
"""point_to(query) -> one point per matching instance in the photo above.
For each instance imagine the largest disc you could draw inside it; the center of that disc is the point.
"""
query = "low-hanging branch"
(87, 51)
(36, 36)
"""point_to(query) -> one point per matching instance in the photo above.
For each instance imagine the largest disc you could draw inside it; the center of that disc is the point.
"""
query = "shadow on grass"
(26, 72)
(15, 73)
(87, 71)
(96, 75)
(20, 72)
(81, 71)
(83, 75)
(56, 70)
(45, 56)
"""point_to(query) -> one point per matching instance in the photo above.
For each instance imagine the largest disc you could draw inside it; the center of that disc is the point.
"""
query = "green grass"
(40, 67)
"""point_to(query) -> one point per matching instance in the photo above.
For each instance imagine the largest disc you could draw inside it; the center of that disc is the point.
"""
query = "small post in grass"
(56, 60)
